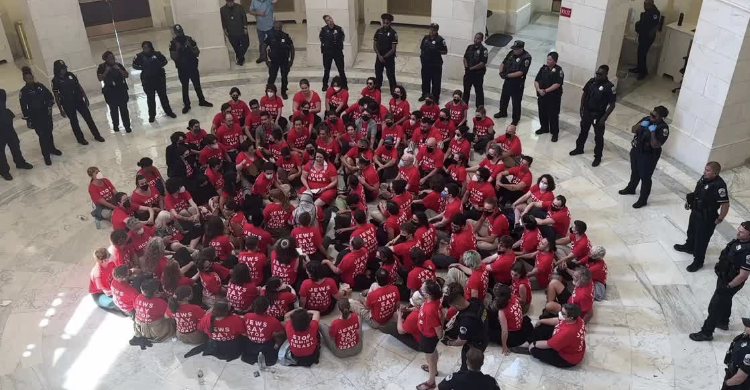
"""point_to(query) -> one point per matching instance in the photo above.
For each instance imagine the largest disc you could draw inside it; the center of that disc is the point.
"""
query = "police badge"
(722, 192)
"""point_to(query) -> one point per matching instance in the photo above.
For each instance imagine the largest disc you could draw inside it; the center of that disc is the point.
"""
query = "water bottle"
(261, 361)
(201, 381)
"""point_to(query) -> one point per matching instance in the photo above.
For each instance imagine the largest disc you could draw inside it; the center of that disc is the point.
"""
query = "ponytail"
(345, 308)
(180, 294)
(221, 309)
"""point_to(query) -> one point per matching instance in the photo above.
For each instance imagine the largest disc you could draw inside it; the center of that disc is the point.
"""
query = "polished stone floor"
(54, 337)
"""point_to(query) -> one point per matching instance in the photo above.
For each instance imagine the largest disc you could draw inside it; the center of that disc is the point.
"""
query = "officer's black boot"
(699, 336)
(683, 248)
(694, 266)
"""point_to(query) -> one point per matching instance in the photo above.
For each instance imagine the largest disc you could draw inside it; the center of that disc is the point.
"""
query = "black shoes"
(24, 166)
(633, 70)
(596, 162)
(7, 176)
(698, 336)
(683, 248)
(128, 130)
(575, 152)
(500, 115)
(185, 109)
(47, 160)
(325, 88)
(421, 98)
(541, 131)
(172, 115)
(151, 119)
(56, 152)
(259, 61)
(99, 138)
(554, 138)
(694, 267)
(638, 204)
(626, 191)
(116, 129)
(723, 326)
(205, 103)
(284, 95)
(82, 142)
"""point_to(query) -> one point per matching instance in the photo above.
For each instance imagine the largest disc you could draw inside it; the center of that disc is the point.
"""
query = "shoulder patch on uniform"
(665, 131)
(656, 17)
(601, 88)
(527, 63)
(746, 360)
(722, 193)
(518, 60)
(463, 330)
(561, 73)
(449, 377)
(747, 257)
(614, 89)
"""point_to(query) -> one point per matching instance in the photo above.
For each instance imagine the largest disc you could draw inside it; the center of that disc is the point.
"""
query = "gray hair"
(472, 259)
(131, 222)
(154, 252)
(597, 252)
(584, 276)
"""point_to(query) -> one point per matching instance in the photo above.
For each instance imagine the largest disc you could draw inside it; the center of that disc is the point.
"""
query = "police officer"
(115, 90)
(71, 99)
(36, 105)
(475, 66)
(732, 271)
(737, 360)
(704, 202)
(332, 46)
(597, 102)
(513, 70)
(280, 56)
(646, 28)
(648, 136)
(471, 378)
(234, 24)
(151, 63)
(8, 137)
(384, 44)
(548, 84)
(184, 52)
(432, 49)
(468, 329)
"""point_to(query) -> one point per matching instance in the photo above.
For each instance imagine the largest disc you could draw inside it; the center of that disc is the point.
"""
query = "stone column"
(201, 20)
(591, 37)
(712, 116)
(55, 32)
(459, 20)
(344, 14)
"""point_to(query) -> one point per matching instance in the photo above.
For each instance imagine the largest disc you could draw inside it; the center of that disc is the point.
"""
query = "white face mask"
(474, 178)
(543, 186)
(99, 176)
(140, 231)
(270, 94)
(269, 175)
(214, 146)
(560, 316)
(182, 189)
(337, 89)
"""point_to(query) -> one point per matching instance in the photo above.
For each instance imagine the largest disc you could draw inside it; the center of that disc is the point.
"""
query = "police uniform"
(738, 358)
(115, 91)
(432, 50)
(643, 157)
(649, 20)
(70, 93)
(332, 48)
(549, 104)
(472, 327)
(36, 105)
(9, 138)
(184, 52)
(475, 54)
(385, 38)
(513, 87)
(154, 81)
(704, 204)
(281, 45)
(597, 96)
(734, 257)
(468, 380)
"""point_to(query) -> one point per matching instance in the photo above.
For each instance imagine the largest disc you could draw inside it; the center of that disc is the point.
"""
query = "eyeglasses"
(370, 83)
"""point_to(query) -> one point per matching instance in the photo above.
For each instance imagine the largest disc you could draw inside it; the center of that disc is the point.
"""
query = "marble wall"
(509, 16)
(344, 13)
(201, 20)
(459, 21)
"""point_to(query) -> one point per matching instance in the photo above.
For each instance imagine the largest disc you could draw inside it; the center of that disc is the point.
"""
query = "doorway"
(105, 17)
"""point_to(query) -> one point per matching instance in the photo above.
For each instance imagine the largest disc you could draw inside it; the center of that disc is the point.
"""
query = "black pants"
(186, 76)
(72, 108)
(644, 43)
(512, 90)
(720, 307)
(8, 137)
(550, 356)
(700, 229)
(586, 122)
(431, 77)
(642, 167)
(240, 44)
(464, 350)
(507, 195)
(338, 58)
(151, 90)
(549, 112)
(118, 106)
(43, 129)
(480, 143)
(474, 79)
(273, 69)
(390, 70)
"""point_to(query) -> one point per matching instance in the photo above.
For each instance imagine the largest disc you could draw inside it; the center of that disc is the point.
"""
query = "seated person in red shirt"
(213, 148)
(458, 109)
(326, 141)
(344, 336)
(180, 205)
(471, 274)
(264, 334)
(477, 192)
(195, 135)
(151, 324)
(101, 191)
(511, 146)
(229, 134)
(425, 132)
(349, 160)
(411, 125)
(429, 109)
(423, 269)
(124, 210)
(507, 324)
(542, 191)
(214, 174)
(580, 246)
(267, 181)
(462, 239)
(526, 246)
(395, 131)
(582, 296)
(123, 294)
(492, 225)
(377, 306)
(337, 97)
(321, 178)
(564, 343)
(453, 206)
(553, 217)
(308, 238)
(252, 120)
(302, 332)
(598, 269)
(319, 292)
(186, 315)
(218, 119)
(386, 160)
(446, 127)
(514, 182)
(101, 281)
(352, 269)
(371, 91)
(484, 130)
(224, 330)
(544, 259)
(431, 201)
(298, 136)
(430, 161)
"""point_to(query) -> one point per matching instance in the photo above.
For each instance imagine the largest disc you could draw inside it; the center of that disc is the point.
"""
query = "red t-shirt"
(515, 288)
(457, 172)
(430, 111)
(430, 160)
(538, 196)
(151, 200)
(530, 240)
(512, 145)
(253, 121)
(280, 306)
(395, 131)
(339, 98)
(256, 261)
(124, 295)
(208, 152)
(430, 318)
(211, 284)
(286, 272)
(501, 267)
(399, 109)
(119, 215)
(418, 275)
(187, 317)
(240, 297)
(453, 208)
(229, 137)
(569, 340)
(260, 328)
(263, 184)
(520, 174)
(598, 271)
(101, 278)
(368, 233)
(287, 165)
(392, 271)
(264, 237)
(195, 139)
(447, 129)
(331, 148)
(581, 246)
(482, 127)
(275, 149)
(297, 138)
(373, 93)
(223, 247)
(411, 175)
(402, 252)
(178, 201)
(583, 297)
(383, 303)
(273, 106)
(345, 331)
(219, 119)
(498, 225)
(386, 155)
(409, 127)
(434, 201)
(302, 343)
(479, 192)
(513, 314)
(457, 110)
(544, 261)
(463, 146)
(122, 255)
(106, 192)
(307, 238)
(421, 138)
(149, 310)
(494, 167)
(479, 280)
(139, 241)
(319, 178)
(299, 97)
(353, 264)
(561, 218)
(216, 178)
(337, 129)
(426, 239)
(411, 325)
(276, 217)
(318, 295)
(225, 329)
(461, 242)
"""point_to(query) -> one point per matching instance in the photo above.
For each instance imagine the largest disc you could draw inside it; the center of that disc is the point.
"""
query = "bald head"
(431, 142)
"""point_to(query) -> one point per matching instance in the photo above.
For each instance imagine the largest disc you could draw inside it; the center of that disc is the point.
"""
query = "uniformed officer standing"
(432, 49)
(332, 46)
(8, 137)
(468, 329)
(71, 99)
(115, 90)
(646, 28)
(234, 24)
(184, 52)
(513, 70)
(704, 203)
(597, 102)
(384, 44)
(151, 63)
(732, 271)
(280, 56)
(648, 136)
(36, 105)
(471, 378)
(475, 66)
(548, 84)
(737, 360)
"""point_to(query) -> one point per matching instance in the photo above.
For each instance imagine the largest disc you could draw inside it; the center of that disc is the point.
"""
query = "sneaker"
(626, 191)
(638, 204)
(683, 248)
(151, 119)
(82, 142)
(56, 152)
(693, 267)
(575, 152)
(205, 103)
(7, 176)
(421, 98)
(172, 115)
(698, 336)
(24, 166)
(99, 138)
(541, 131)
(500, 115)
(185, 110)
(554, 138)
(596, 162)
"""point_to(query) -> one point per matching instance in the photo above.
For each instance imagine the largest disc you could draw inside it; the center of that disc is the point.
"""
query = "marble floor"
(52, 336)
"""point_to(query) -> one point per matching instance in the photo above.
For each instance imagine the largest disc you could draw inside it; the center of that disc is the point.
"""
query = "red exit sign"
(565, 12)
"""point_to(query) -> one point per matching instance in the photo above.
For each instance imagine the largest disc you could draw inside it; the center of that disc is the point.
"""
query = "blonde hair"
(101, 254)
(162, 219)
(154, 252)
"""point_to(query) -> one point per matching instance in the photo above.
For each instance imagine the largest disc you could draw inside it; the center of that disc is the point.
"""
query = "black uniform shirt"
(280, 44)
(476, 54)
(472, 324)
(114, 80)
(331, 39)
(548, 76)
(738, 355)
(151, 66)
(36, 100)
(598, 95)
(385, 37)
(649, 21)
(186, 57)
(432, 49)
(513, 63)
(468, 380)
(738, 253)
(67, 87)
(710, 194)
(233, 19)
(642, 137)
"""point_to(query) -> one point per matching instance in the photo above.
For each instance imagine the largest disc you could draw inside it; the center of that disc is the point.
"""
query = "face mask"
(455, 229)
(508, 135)
(396, 95)
(182, 190)
(337, 89)
(235, 98)
(306, 111)
(456, 100)
(491, 154)
(365, 118)
(560, 316)
(287, 157)
(99, 176)
(488, 213)
(334, 120)
(126, 204)
(196, 130)
(428, 102)
(269, 176)
(458, 137)
(424, 130)
(270, 94)
(479, 118)
(388, 147)
(543, 186)
(361, 149)
(430, 149)
(555, 207)
(144, 187)
(444, 193)
(444, 119)
(571, 231)
(388, 123)
(474, 178)
(214, 146)
(140, 231)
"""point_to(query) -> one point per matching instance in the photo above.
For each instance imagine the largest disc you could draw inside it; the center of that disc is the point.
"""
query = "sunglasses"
(370, 83)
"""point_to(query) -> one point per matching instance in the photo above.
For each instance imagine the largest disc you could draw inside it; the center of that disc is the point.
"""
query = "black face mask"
(388, 147)
(361, 149)
(428, 102)
(456, 100)
(365, 118)
(126, 204)
(455, 229)
(305, 112)
(553, 207)
(396, 95)
(508, 135)
(334, 120)
(430, 149)
(488, 213)
(571, 231)
(389, 124)
(444, 119)
(287, 157)
(144, 187)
